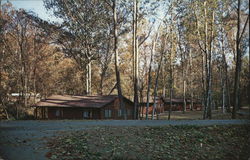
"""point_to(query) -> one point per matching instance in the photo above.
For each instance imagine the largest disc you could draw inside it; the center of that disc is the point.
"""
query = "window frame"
(87, 114)
(119, 112)
(107, 113)
(57, 113)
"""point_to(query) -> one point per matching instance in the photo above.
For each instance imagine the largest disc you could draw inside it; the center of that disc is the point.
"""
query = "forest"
(140, 49)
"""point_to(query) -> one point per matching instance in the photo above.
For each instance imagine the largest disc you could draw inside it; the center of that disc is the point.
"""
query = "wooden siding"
(115, 107)
(159, 107)
(72, 113)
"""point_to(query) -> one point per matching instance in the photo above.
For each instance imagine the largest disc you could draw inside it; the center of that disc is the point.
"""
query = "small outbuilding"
(82, 107)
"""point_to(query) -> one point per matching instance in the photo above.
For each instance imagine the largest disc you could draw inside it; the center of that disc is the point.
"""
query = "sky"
(35, 6)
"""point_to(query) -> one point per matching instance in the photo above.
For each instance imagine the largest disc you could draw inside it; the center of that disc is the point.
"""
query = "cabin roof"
(77, 101)
(180, 100)
(174, 100)
(151, 99)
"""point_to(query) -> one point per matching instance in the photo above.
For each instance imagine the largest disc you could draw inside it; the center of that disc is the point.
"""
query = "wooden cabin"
(159, 105)
(197, 104)
(82, 107)
(178, 104)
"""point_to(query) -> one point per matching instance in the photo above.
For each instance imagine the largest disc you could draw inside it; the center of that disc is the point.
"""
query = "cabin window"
(119, 112)
(57, 113)
(87, 114)
(107, 113)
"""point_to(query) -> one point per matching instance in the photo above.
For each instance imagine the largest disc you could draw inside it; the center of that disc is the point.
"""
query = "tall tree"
(239, 35)
(135, 58)
(117, 69)
(154, 41)
(162, 52)
(88, 22)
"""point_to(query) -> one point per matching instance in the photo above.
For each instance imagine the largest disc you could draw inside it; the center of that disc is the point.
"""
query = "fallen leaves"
(170, 142)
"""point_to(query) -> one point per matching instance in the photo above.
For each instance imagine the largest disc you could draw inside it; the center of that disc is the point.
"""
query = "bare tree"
(117, 70)
(239, 35)
(184, 70)
(157, 75)
(171, 74)
(135, 58)
(150, 69)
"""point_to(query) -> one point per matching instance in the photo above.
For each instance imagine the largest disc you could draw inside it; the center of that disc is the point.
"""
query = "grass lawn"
(192, 115)
(169, 142)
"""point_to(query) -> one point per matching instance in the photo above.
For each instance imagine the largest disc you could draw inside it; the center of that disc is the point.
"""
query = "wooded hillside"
(189, 49)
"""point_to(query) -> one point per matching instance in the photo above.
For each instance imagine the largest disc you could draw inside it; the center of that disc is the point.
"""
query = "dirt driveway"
(27, 139)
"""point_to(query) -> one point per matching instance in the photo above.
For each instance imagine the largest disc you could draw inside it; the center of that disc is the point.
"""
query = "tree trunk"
(249, 74)
(149, 72)
(183, 75)
(209, 98)
(171, 82)
(163, 79)
(203, 53)
(171, 92)
(34, 85)
(184, 87)
(191, 79)
(149, 79)
(88, 78)
(222, 89)
(25, 90)
(238, 66)
(226, 91)
(6, 112)
(117, 71)
(249, 79)
(203, 85)
(141, 102)
(156, 86)
(208, 66)
(135, 57)
(101, 85)
(184, 96)
(17, 114)
(170, 107)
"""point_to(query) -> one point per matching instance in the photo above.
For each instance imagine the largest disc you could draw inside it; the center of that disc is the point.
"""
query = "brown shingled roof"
(76, 101)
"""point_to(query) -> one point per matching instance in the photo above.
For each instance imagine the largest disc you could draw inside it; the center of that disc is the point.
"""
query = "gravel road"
(27, 139)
